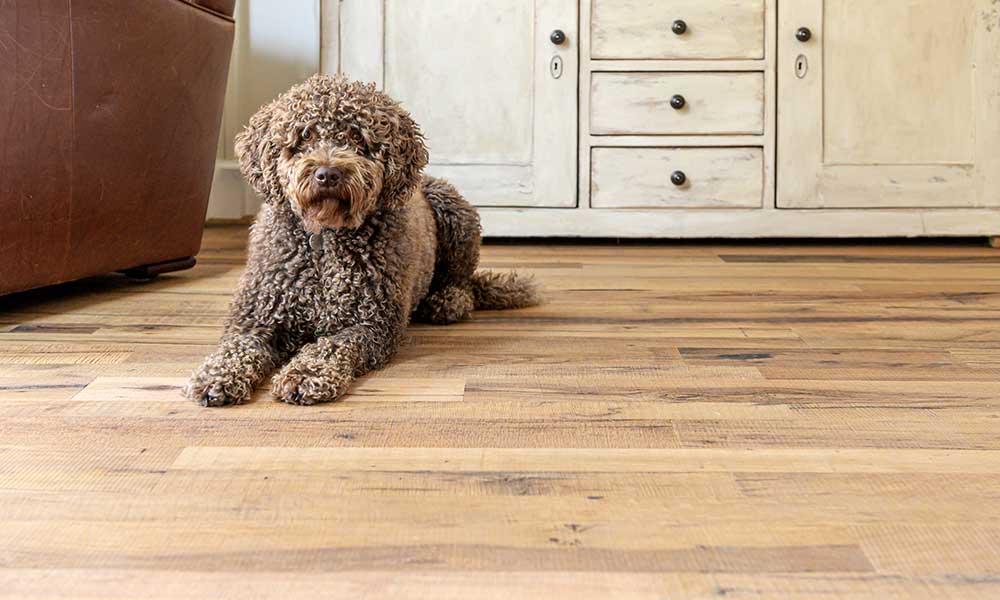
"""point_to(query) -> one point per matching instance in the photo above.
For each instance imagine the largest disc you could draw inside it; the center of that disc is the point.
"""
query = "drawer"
(641, 177)
(640, 103)
(642, 29)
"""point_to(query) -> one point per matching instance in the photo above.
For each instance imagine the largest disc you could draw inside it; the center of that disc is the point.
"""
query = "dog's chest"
(335, 279)
(343, 289)
(349, 283)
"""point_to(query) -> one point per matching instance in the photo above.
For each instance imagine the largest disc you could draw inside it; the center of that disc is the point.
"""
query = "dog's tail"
(499, 291)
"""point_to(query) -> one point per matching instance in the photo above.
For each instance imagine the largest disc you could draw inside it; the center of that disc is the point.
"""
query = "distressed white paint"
(362, 39)
(329, 35)
(640, 177)
(476, 77)
(716, 29)
(639, 103)
(899, 108)
(473, 100)
(383, 42)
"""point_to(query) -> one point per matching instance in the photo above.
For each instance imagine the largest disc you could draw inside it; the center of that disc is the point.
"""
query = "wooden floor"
(677, 421)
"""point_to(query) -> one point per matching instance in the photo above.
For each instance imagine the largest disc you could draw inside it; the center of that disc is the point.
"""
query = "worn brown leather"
(109, 122)
(223, 7)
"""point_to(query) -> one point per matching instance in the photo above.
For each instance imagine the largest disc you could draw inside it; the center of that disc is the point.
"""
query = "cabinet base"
(739, 224)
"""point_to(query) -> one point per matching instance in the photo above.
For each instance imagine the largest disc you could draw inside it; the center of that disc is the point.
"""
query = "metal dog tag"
(316, 241)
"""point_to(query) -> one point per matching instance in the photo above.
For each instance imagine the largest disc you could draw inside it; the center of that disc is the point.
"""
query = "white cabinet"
(896, 104)
(665, 103)
(676, 177)
(697, 118)
(495, 96)
(644, 29)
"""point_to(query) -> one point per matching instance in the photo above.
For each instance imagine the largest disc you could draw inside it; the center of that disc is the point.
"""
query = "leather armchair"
(109, 122)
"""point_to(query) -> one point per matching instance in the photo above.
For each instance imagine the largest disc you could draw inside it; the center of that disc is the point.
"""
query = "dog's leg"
(229, 375)
(447, 305)
(324, 370)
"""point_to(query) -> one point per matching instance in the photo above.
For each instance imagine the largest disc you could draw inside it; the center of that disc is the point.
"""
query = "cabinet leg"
(149, 272)
(994, 241)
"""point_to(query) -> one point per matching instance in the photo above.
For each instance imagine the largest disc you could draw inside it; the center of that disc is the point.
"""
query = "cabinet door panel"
(478, 78)
(891, 104)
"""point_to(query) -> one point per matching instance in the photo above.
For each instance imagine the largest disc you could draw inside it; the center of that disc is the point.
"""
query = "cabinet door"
(495, 96)
(891, 104)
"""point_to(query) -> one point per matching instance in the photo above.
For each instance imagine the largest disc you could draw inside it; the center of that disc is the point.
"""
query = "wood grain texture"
(640, 29)
(842, 145)
(691, 420)
(498, 125)
(639, 103)
(640, 177)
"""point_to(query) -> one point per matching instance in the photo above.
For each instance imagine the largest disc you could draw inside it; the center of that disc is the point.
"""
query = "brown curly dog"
(351, 242)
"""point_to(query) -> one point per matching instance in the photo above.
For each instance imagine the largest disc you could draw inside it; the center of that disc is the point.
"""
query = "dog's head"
(335, 150)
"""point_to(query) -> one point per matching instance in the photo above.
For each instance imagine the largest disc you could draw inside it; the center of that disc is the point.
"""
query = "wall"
(278, 43)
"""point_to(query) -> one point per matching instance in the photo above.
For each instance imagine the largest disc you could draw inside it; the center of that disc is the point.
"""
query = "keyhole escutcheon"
(801, 66)
(556, 67)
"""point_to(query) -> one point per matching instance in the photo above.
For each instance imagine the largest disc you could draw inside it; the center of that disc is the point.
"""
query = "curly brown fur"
(500, 291)
(352, 241)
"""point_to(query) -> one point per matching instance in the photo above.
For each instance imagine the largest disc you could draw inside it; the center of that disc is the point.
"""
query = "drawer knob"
(558, 37)
(804, 34)
(678, 178)
(678, 102)
(679, 27)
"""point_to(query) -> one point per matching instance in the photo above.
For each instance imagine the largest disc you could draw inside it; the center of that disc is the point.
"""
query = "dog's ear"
(406, 154)
(258, 150)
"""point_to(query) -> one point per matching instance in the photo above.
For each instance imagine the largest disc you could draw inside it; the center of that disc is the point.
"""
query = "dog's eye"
(357, 139)
(294, 140)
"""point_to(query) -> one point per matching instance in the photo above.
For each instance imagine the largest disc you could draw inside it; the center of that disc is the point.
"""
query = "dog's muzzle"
(327, 178)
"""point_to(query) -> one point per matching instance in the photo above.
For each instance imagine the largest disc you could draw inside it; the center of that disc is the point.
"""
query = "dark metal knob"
(804, 34)
(678, 178)
(558, 37)
(679, 27)
(678, 102)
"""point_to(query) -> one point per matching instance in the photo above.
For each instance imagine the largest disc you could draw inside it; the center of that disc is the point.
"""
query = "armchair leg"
(150, 272)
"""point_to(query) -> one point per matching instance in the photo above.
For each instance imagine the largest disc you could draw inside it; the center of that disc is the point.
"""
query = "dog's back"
(458, 239)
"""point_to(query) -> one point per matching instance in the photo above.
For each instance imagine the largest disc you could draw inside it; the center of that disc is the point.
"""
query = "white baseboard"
(231, 198)
(760, 223)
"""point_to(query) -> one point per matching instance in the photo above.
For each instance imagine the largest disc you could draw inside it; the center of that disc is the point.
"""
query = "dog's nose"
(327, 176)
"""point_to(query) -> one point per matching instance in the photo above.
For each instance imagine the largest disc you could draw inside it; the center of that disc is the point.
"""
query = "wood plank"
(255, 547)
(158, 584)
(326, 430)
(604, 460)
(676, 420)
(602, 523)
(621, 29)
(367, 389)
(18, 388)
(850, 364)
(715, 178)
(640, 104)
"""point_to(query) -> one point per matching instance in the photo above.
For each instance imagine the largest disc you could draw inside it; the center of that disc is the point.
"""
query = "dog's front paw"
(303, 385)
(213, 391)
